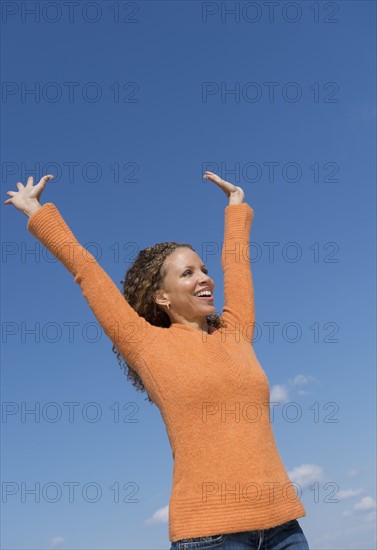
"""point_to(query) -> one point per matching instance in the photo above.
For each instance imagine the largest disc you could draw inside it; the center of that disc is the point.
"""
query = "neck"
(199, 325)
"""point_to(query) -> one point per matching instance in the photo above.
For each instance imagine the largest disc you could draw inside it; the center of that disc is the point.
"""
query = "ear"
(160, 298)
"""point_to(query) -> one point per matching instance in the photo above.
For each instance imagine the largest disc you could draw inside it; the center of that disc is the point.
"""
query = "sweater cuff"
(37, 220)
(238, 219)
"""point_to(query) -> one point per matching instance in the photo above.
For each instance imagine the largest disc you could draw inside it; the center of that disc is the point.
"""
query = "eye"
(189, 270)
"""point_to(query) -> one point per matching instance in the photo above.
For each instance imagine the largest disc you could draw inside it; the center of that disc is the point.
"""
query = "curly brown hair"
(145, 276)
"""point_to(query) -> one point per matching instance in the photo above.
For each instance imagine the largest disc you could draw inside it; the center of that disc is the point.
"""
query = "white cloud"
(366, 503)
(306, 474)
(352, 472)
(301, 379)
(348, 493)
(279, 394)
(55, 542)
(160, 516)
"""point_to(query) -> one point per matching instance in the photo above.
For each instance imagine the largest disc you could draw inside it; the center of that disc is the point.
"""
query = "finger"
(46, 178)
(226, 186)
(11, 193)
(212, 177)
(8, 201)
(42, 182)
(20, 185)
(30, 181)
(216, 179)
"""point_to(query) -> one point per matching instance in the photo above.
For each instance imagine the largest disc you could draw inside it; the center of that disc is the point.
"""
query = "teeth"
(204, 293)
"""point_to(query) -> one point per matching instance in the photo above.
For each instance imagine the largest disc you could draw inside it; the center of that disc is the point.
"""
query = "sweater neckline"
(185, 327)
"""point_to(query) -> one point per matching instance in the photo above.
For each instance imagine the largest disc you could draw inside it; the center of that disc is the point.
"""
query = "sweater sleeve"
(239, 306)
(122, 324)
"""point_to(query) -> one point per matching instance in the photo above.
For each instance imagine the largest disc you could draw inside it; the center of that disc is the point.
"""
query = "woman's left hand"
(235, 193)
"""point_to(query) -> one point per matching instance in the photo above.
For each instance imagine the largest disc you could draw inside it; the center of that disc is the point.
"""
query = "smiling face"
(185, 276)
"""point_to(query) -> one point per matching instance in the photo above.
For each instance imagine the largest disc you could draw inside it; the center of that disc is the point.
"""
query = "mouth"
(205, 298)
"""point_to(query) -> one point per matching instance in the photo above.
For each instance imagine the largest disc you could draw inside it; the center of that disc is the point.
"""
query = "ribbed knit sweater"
(210, 389)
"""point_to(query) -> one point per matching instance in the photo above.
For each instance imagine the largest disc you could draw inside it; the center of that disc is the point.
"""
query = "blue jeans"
(287, 536)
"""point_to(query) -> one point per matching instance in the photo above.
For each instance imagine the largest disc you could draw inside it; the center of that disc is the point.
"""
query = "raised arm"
(127, 330)
(239, 304)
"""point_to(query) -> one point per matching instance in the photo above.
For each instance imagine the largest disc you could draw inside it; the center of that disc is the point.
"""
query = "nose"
(206, 279)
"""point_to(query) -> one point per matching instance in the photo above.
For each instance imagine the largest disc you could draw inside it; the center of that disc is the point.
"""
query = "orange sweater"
(212, 393)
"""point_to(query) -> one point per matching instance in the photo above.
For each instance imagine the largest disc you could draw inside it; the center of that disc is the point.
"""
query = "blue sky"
(132, 102)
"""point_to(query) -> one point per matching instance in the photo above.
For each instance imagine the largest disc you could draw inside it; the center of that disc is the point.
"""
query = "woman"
(230, 488)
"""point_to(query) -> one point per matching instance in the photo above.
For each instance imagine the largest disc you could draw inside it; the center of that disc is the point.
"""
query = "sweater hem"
(231, 518)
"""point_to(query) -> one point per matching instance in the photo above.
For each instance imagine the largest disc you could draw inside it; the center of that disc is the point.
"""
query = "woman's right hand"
(235, 194)
(26, 198)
